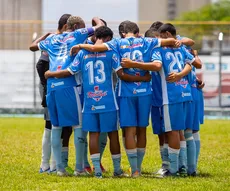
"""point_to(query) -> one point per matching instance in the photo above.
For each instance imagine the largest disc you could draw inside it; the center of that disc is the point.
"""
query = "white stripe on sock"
(131, 151)
(171, 150)
(182, 144)
(196, 136)
(96, 155)
(141, 150)
(189, 138)
(116, 156)
(165, 145)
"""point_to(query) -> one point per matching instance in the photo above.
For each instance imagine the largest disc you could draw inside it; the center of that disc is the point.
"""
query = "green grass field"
(20, 153)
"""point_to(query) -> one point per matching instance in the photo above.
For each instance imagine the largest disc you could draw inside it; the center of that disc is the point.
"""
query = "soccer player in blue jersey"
(62, 98)
(103, 136)
(133, 113)
(42, 66)
(169, 60)
(100, 106)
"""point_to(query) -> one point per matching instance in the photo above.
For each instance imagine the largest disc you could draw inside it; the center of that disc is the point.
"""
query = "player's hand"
(47, 74)
(194, 52)
(127, 63)
(178, 43)
(201, 85)
(147, 77)
(74, 50)
(173, 77)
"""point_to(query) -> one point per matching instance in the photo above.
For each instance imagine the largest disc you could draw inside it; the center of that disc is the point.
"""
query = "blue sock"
(102, 143)
(56, 146)
(132, 157)
(183, 155)
(196, 137)
(79, 142)
(65, 156)
(165, 156)
(86, 161)
(191, 151)
(96, 162)
(174, 160)
(140, 156)
(117, 163)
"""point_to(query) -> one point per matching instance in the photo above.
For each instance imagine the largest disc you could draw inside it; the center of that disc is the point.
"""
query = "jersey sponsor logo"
(83, 31)
(186, 94)
(183, 83)
(115, 58)
(67, 38)
(137, 83)
(98, 107)
(76, 63)
(136, 91)
(124, 46)
(97, 95)
(59, 68)
(57, 84)
(98, 55)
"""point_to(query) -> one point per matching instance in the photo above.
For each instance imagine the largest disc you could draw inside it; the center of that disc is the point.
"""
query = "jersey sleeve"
(43, 45)
(189, 58)
(82, 34)
(75, 66)
(112, 45)
(156, 56)
(116, 62)
(151, 43)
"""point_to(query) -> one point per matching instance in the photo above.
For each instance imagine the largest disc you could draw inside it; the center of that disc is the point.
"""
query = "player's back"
(58, 47)
(98, 88)
(173, 60)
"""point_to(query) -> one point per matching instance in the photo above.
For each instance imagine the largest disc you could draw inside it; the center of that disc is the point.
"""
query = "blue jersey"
(137, 49)
(192, 75)
(173, 60)
(96, 69)
(58, 47)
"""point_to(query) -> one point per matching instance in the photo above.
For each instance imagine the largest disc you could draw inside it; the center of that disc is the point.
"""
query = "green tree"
(219, 11)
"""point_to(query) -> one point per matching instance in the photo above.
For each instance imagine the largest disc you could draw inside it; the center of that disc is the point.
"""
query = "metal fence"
(17, 62)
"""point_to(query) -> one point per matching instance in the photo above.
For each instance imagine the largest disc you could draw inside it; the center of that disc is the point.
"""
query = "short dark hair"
(168, 27)
(132, 28)
(150, 33)
(63, 20)
(156, 25)
(103, 32)
(122, 26)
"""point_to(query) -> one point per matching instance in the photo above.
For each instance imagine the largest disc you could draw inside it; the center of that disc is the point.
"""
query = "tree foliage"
(219, 11)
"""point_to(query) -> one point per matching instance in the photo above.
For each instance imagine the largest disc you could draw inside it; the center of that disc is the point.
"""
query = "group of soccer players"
(154, 74)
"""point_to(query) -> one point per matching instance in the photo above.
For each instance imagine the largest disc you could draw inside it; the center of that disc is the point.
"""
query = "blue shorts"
(188, 114)
(174, 119)
(64, 107)
(100, 122)
(134, 111)
(157, 120)
(201, 106)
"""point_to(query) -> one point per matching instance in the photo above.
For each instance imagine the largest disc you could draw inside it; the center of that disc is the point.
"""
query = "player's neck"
(129, 35)
(99, 41)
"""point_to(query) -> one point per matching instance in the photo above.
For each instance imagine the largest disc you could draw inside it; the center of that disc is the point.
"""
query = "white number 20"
(176, 60)
(100, 77)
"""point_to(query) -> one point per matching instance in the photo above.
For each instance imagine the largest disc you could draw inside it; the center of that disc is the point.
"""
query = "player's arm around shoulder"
(150, 66)
(197, 62)
(35, 44)
(57, 74)
(129, 78)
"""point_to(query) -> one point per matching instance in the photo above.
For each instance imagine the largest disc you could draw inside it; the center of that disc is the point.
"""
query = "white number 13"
(100, 77)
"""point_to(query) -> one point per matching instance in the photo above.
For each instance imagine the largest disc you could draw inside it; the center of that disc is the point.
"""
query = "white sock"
(46, 149)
